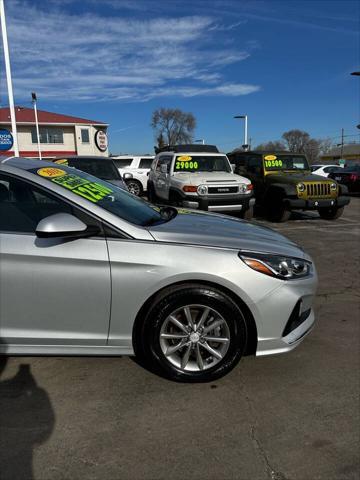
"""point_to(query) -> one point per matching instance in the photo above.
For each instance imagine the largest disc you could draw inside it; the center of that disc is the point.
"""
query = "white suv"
(139, 167)
(198, 176)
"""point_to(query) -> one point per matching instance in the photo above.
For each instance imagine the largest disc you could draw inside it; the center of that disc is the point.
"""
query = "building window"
(85, 138)
(48, 135)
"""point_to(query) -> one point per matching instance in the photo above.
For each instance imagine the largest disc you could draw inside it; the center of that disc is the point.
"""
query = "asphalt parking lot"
(287, 417)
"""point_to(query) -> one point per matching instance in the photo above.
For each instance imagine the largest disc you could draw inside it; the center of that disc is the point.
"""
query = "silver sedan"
(89, 269)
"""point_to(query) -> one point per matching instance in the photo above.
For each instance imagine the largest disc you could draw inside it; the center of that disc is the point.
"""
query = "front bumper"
(219, 203)
(314, 204)
(286, 316)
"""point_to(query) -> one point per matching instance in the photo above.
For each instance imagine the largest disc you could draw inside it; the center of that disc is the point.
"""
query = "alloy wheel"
(194, 338)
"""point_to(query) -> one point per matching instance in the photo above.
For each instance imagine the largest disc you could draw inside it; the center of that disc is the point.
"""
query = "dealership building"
(59, 134)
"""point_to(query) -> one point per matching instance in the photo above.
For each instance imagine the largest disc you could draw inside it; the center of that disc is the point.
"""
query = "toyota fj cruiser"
(199, 177)
(283, 182)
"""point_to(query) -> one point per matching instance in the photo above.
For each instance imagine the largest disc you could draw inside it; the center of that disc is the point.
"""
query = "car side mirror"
(127, 176)
(64, 225)
(163, 168)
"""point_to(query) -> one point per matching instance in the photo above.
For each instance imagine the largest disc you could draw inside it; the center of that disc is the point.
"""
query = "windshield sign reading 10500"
(285, 162)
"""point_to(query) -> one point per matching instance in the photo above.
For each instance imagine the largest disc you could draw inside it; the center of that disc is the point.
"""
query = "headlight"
(279, 266)
(202, 189)
(301, 187)
(246, 187)
(333, 186)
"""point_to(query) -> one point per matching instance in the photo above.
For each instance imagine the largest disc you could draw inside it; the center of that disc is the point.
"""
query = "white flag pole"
(8, 77)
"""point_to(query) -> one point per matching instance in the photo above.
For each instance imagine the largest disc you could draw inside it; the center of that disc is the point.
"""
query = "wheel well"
(250, 322)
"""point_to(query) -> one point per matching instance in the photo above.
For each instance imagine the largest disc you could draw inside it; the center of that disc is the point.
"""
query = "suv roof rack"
(240, 150)
(187, 148)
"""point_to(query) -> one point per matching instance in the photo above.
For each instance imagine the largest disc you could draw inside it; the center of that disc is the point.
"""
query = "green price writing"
(186, 165)
(90, 190)
(273, 163)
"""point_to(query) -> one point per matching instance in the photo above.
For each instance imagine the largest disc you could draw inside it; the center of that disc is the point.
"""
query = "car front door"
(53, 291)
(162, 178)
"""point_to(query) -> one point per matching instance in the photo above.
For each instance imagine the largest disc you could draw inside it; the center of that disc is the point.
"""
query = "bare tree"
(273, 146)
(173, 126)
(296, 140)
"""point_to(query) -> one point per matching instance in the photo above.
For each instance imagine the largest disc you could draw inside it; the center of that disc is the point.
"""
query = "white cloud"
(91, 57)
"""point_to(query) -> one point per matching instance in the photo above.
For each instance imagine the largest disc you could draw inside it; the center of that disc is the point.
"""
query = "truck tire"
(248, 214)
(276, 208)
(151, 193)
(330, 213)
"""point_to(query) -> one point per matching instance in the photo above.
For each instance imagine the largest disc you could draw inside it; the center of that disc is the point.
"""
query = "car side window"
(23, 205)
(164, 160)
(145, 163)
(254, 164)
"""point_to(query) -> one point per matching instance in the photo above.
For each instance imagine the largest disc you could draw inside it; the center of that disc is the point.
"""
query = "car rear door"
(53, 291)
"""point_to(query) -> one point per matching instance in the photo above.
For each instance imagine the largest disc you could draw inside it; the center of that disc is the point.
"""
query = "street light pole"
(8, 77)
(33, 96)
(245, 117)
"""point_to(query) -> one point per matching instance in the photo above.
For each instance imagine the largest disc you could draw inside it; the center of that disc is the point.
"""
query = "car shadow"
(27, 420)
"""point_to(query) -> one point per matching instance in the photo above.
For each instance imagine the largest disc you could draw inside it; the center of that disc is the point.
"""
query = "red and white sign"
(101, 140)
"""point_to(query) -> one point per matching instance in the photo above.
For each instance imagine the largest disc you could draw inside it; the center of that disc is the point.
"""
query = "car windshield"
(106, 195)
(101, 168)
(285, 162)
(202, 163)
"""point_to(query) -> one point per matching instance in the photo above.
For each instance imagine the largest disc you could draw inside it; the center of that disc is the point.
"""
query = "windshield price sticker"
(51, 172)
(272, 163)
(92, 191)
(270, 157)
(186, 162)
(62, 161)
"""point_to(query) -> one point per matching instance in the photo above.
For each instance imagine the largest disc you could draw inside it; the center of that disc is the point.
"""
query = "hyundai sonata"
(89, 269)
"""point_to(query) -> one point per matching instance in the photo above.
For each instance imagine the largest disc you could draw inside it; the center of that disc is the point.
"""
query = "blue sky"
(286, 64)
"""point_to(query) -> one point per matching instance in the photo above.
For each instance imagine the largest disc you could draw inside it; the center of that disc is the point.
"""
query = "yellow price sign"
(270, 157)
(51, 172)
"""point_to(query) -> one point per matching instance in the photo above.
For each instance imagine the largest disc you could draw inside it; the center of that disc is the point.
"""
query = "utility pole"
(8, 77)
(342, 143)
(33, 96)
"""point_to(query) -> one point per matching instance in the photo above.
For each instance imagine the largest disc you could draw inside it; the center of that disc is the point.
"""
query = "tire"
(276, 208)
(134, 187)
(175, 199)
(248, 214)
(151, 193)
(192, 356)
(330, 213)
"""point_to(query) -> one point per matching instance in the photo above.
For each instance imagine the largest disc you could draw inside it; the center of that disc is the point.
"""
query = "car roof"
(264, 152)
(81, 157)
(25, 163)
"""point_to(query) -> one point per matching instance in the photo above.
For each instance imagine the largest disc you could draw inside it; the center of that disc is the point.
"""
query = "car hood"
(197, 178)
(294, 178)
(215, 230)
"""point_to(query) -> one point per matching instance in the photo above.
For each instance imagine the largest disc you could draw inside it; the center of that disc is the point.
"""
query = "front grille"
(318, 189)
(222, 190)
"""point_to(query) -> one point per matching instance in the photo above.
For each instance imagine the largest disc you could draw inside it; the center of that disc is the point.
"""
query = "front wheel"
(193, 333)
(151, 193)
(248, 214)
(330, 213)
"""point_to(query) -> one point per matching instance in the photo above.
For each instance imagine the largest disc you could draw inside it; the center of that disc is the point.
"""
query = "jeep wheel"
(277, 212)
(330, 213)
(175, 199)
(248, 214)
(193, 333)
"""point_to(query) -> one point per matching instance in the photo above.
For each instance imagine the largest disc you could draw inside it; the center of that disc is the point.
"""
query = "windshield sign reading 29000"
(202, 163)
(285, 162)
